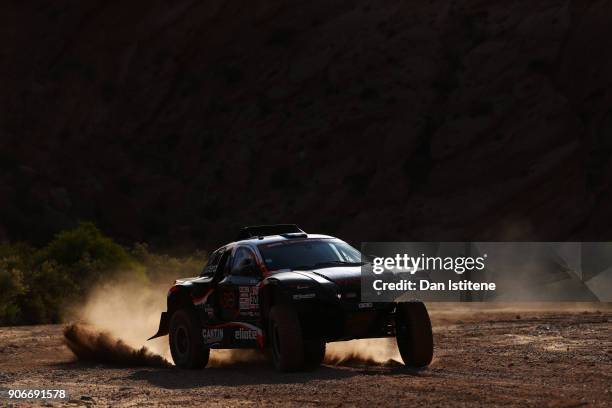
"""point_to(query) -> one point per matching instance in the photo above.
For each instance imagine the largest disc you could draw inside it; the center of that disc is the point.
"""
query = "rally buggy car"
(280, 289)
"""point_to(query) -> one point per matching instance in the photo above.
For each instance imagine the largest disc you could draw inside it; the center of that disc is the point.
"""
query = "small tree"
(11, 287)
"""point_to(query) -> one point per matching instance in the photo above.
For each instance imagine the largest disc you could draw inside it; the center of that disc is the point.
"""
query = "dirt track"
(561, 359)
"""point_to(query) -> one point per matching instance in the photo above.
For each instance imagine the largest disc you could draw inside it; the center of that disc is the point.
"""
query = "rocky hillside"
(177, 122)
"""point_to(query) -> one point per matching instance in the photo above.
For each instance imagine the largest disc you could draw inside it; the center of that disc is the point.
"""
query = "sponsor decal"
(212, 335)
(210, 270)
(228, 299)
(242, 331)
(209, 310)
(249, 313)
(245, 334)
(304, 296)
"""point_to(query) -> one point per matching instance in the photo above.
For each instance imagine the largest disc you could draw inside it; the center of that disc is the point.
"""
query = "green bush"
(37, 285)
(11, 288)
(85, 244)
(50, 290)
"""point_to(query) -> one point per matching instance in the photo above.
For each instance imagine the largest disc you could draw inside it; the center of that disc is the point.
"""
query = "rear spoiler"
(266, 230)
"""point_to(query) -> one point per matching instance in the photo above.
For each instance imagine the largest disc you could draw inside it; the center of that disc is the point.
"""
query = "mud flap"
(163, 326)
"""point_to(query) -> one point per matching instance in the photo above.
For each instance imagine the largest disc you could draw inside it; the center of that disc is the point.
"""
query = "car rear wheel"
(285, 333)
(413, 334)
(186, 342)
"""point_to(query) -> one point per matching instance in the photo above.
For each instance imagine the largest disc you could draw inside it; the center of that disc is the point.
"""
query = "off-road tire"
(286, 342)
(186, 343)
(314, 353)
(413, 334)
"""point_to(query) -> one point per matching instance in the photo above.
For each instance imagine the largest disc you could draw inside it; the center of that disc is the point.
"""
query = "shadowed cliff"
(178, 122)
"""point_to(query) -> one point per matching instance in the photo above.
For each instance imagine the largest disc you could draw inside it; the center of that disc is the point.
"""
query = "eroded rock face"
(178, 123)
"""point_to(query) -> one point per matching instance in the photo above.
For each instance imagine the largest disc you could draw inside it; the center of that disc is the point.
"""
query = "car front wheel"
(286, 342)
(413, 334)
(314, 353)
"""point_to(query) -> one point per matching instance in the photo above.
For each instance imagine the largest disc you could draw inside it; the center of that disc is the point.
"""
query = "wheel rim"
(402, 329)
(181, 341)
(402, 325)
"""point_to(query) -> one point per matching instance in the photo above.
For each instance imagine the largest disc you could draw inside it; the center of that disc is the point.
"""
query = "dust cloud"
(381, 352)
(227, 358)
(114, 323)
(92, 345)
(118, 317)
(127, 310)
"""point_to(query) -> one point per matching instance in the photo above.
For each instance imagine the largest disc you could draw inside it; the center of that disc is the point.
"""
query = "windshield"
(308, 254)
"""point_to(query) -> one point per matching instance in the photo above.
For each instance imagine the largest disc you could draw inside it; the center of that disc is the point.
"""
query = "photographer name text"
(425, 285)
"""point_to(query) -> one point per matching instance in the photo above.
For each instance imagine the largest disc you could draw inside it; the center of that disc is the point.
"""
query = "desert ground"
(555, 358)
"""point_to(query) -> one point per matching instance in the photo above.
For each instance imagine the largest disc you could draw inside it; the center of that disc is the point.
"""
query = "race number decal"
(249, 297)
